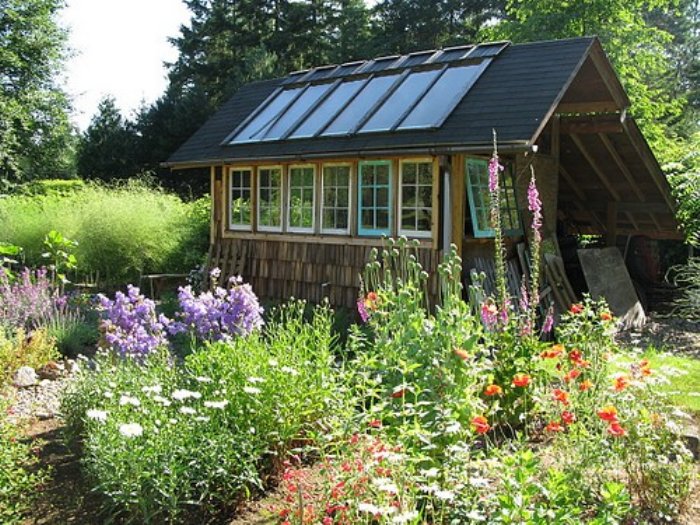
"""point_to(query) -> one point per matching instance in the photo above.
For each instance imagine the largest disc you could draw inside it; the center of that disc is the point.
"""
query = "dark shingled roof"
(514, 95)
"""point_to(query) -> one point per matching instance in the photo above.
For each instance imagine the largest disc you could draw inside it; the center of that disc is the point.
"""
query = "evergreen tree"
(35, 136)
(107, 148)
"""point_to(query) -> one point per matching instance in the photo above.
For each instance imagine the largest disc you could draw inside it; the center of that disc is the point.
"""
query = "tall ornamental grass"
(121, 231)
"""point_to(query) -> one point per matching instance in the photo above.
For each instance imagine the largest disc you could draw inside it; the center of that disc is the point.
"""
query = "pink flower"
(548, 323)
(534, 204)
(494, 168)
(362, 310)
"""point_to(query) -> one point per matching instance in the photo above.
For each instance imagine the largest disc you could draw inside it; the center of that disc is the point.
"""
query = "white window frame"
(288, 214)
(336, 231)
(416, 233)
(231, 224)
(261, 227)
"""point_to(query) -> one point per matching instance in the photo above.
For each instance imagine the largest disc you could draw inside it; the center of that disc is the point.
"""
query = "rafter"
(598, 171)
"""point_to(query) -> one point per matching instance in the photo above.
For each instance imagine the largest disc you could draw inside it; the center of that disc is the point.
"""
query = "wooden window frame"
(229, 174)
(434, 179)
(265, 228)
(362, 232)
(322, 207)
(489, 233)
(288, 199)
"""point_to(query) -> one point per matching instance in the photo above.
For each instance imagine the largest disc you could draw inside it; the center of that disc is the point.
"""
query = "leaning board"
(607, 277)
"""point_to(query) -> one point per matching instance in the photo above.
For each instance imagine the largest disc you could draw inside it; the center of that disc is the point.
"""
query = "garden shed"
(310, 171)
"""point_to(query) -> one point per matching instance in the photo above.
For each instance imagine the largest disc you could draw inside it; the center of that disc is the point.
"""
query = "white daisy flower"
(289, 370)
(202, 419)
(129, 400)
(405, 517)
(163, 401)
(386, 485)
(216, 404)
(445, 495)
(108, 394)
(155, 389)
(131, 430)
(273, 362)
(369, 508)
(251, 390)
(256, 380)
(181, 395)
(187, 410)
(203, 379)
(97, 415)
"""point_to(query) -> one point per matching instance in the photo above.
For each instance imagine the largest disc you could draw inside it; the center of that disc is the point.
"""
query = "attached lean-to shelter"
(310, 171)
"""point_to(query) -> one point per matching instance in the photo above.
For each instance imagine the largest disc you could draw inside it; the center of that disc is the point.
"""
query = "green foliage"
(121, 231)
(51, 186)
(60, 257)
(21, 349)
(19, 477)
(684, 176)
(34, 129)
(209, 432)
(107, 148)
(687, 277)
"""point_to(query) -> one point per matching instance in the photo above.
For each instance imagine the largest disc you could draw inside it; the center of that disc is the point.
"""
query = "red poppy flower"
(521, 380)
(576, 308)
(606, 316)
(568, 417)
(621, 382)
(614, 429)
(571, 375)
(608, 413)
(585, 385)
(375, 423)
(480, 424)
(493, 390)
(575, 356)
(554, 426)
(371, 301)
(461, 353)
(561, 396)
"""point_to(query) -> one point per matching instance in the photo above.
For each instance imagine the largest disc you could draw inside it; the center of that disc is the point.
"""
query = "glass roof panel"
(257, 127)
(400, 100)
(443, 96)
(326, 109)
(300, 106)
(355, 111)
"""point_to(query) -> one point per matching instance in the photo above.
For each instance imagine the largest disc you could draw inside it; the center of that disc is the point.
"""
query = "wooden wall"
(305, 270)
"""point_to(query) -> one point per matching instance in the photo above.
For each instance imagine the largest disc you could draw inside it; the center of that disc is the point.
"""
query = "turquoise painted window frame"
(375, 232)
(479, 200)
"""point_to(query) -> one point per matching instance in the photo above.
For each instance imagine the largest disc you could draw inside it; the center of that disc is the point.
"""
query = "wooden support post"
(457, 196)
(611, 229)
(556, 134)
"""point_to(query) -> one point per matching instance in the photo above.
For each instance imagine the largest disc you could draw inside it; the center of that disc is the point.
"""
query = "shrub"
(687, 278)
(27, 300)
(19, 479)
(19, 349)
(122, 231)
(166, 443)
(72, 326)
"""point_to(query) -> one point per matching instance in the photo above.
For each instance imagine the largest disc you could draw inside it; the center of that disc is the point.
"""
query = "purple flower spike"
(534, 204)
(494, 168)
(362, 310)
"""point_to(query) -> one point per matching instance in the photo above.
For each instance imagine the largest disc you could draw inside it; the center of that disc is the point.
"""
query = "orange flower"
(521, 380)
(568, 417)
(461, 353)
(576, 308)
(554, 426)
(398, 393)
(614, 429)
(584, 363)
(571, 375)
(606, 316)
(621, 382)
(371, 301)
(553, 352)
(480, 424)
(644, 367)
(493, 390)
(608, 413)
(561, 396)
(585, 385)
(375, 423)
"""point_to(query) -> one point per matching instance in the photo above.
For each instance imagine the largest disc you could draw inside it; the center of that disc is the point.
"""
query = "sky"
(119, 47)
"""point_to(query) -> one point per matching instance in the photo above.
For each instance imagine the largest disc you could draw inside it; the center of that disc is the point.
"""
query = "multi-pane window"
(416, 186)
(270, 198)
(479, 200)
(374, 202)
(300, 205)
(335, 203)
(240, 181)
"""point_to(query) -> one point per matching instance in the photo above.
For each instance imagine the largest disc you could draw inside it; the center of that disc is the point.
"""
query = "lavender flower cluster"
(219, 314)
(26, 300)
(131, 327)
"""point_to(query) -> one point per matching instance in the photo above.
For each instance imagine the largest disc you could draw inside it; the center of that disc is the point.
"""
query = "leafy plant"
(687, 278)
(60, 257)
(25, 300)
(21, 349)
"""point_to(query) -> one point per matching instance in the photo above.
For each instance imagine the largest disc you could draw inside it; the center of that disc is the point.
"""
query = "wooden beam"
(570, 181)
(611, 224)
(555, 145)
(592, 106)
(645, 153)
(457, 196)
(607, 74)
(621, 164)
(596, 168)
(634, 207)
(591, 124)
